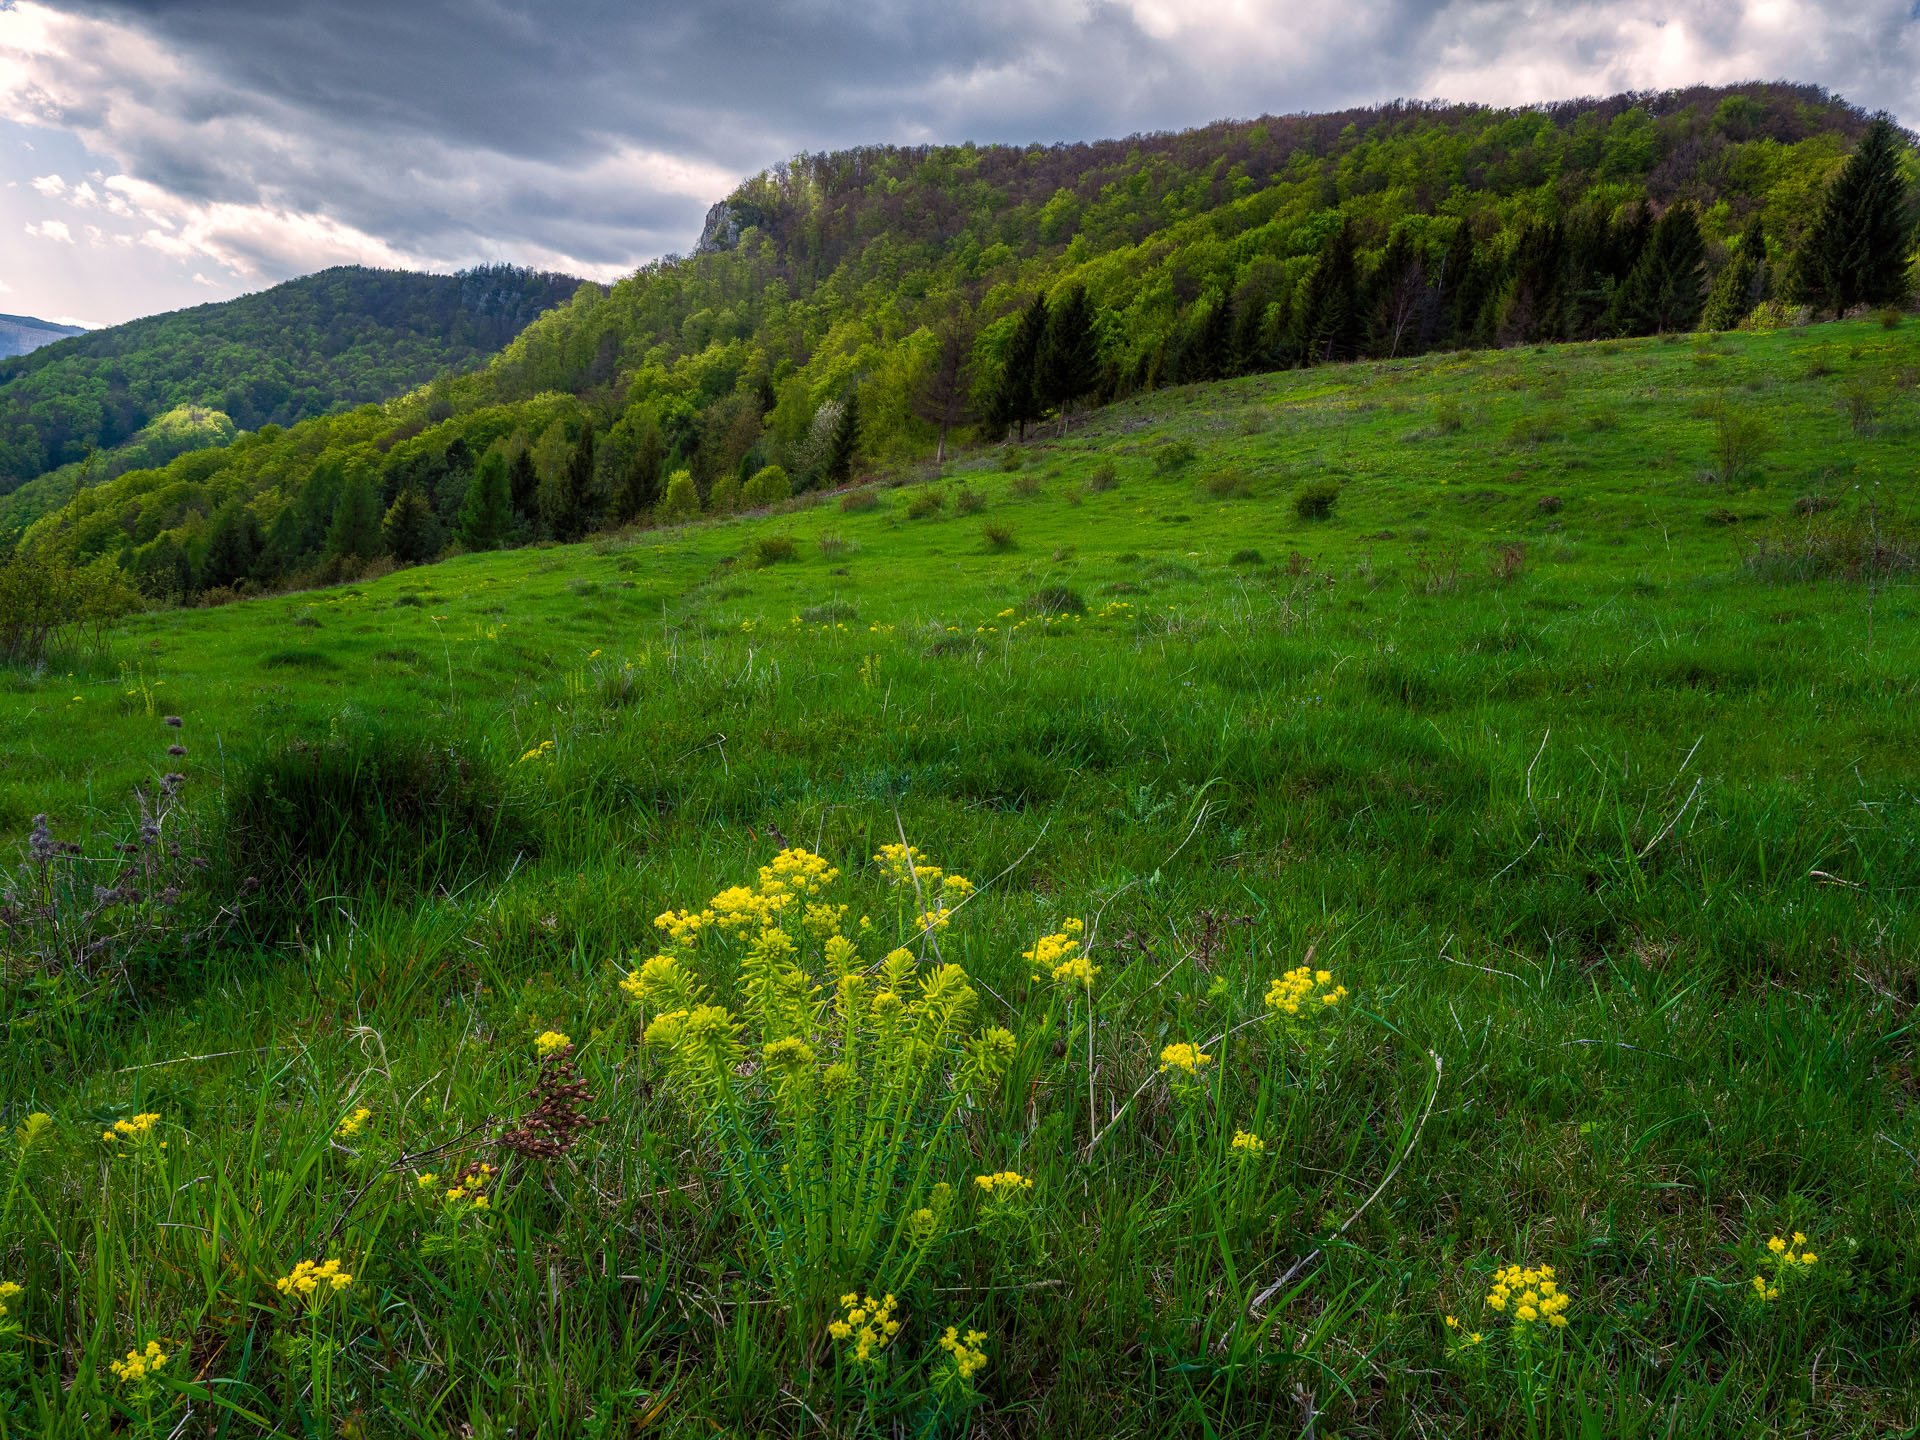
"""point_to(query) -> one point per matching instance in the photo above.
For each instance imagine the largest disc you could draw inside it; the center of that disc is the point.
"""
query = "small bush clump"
(925, 503)
(1174, 455)
(859, 502)
(1550, 504)
(833, 544)
(1446, 416)
(1104, 477)
(1740, 438)
(768, 486)
(775, 550)
(969, 502)
(1227, 485)
(998, 535)
(1058, 600)
(1317, 500)
(1014, 459)
(1244, 557)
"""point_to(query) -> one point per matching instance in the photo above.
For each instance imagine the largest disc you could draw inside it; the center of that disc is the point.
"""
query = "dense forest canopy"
(312, 346)
(862, 305)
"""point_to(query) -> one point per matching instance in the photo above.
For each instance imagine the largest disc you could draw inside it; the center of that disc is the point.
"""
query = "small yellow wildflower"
(138, 1128)
(314, 1282)
(1060, 955)
(550, 1042)
(1184, 1057)
(9, 1289)
(140, 1364)
(542, 751)
(1246, 1146)
(1005, 1184)
(1534, 1294)
(869, 1324)
(354, 1123)
(968, 1351)
(1301, 993)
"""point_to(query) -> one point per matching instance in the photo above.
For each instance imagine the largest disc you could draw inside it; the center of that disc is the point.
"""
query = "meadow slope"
(1576, 742)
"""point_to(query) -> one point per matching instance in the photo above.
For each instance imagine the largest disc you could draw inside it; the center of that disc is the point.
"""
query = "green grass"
(1619, 832)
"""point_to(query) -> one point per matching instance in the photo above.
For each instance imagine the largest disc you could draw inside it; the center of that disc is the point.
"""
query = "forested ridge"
(338, 338)
(864, 306)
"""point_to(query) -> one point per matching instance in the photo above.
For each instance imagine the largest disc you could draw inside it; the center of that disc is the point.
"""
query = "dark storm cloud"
(595, 134)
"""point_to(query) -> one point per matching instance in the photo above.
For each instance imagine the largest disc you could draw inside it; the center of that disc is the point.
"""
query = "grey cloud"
(455, 128)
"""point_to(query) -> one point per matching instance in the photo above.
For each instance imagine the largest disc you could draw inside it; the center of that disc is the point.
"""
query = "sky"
(162, 153)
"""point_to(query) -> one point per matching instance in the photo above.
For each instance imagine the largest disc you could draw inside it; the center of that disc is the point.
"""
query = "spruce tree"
(639, 489)
(1742, 281)
(409, 528)
(577, 508)
(487, 517)
(1068, 365)
(1014, 403)
(355, 531)
(523, 485)
(843, 447)
(1328, 321)
(234, 543)
(1856, 250)
(1666, 291)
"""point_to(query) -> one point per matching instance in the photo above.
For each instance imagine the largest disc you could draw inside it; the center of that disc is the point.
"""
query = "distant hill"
(22, 334)
(314, 346)
(840, 309)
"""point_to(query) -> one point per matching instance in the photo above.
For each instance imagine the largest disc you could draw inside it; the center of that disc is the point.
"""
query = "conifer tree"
(487, 516)
(1328, 321)
(1014, 402)
(639, 489)
(355, 531)
(575, 490)
(409, 528)
(234, 543)
(523, 485)
(1856, 250)
(1666, 291)
(1742, 281)
(843, 447)
(1068, 365)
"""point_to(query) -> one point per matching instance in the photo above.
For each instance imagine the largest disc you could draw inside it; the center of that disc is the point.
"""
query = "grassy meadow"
(1514, 865)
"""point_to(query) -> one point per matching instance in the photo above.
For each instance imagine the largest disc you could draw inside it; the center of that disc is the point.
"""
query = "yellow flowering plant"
(830, 1086)
(311, 1289)
(1789, 1260)
(1520, 1333)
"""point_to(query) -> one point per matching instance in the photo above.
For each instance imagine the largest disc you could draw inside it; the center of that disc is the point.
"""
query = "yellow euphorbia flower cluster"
(314, 1283)
(968, 1351)
(542, 751)
(141, 1364)
(1183, 1057)
(1060, 957)
(940, 892)
(138, 1128)
(1786, 1261)
(1533, 1294)
(1004, 1185)
(9, 1289)
(869, 1324)
(1247, 1146)
(550, 1042)
(354, 1123)
(1302, 993)
(468, 1191)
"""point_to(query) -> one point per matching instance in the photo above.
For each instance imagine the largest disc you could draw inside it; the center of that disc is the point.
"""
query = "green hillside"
(1549, 708)
(848, 308)
(326, 342)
